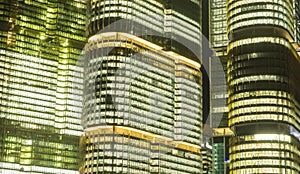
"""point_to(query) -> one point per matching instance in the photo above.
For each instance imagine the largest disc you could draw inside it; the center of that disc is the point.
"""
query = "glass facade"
(263, 97)
(147, 95)
(207, 158)
(142, 110)
(217, 13)
(40, 85)
(219, 41)
(221, 154)
(264, 153)
(218, 86)
(296, 22)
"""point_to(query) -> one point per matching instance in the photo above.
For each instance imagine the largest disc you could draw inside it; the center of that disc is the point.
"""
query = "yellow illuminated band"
(122, 130)
(139, 41)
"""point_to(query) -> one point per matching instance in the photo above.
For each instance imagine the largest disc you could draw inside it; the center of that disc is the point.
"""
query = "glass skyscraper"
(40, 85)
(219, 41)
(263, 79)
(142, 109)
(218, 86)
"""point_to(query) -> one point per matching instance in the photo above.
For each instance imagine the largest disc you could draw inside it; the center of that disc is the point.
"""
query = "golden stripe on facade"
(118, 36)
(127, 131)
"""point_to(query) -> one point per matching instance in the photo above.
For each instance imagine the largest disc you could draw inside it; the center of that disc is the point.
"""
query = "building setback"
(143, 96)
(40, 85)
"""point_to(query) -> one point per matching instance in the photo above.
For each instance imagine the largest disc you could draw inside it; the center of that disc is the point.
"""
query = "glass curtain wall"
(40, 85)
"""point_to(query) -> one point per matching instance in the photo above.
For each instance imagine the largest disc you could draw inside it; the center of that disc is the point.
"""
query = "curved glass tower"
(40, 85)
(142, 102)
(263, 97)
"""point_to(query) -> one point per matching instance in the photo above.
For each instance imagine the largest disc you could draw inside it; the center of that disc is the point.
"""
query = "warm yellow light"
(149, 45)
(275, 137)
(42, 37)
(123, 130)
(265, 137)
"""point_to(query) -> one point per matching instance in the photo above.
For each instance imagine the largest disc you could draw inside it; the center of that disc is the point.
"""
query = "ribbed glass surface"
(264, 153)
(251, 13)
(110, 152)
(142, 102)
(145, 94)
(263, 87)
(207, 160)
(173, 25)
(132, 88)
(259, 81)
(40, 85)
(258, 75)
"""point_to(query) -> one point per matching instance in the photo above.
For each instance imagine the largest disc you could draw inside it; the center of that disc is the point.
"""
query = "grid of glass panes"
(41, 85)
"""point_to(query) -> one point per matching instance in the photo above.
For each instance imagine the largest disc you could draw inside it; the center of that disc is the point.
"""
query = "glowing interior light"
(275, 137)
(265, 137)
(145, 43)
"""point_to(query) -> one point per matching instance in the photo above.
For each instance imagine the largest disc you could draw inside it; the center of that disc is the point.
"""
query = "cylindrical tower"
(142, 100)
(261, 98)
(173, 24)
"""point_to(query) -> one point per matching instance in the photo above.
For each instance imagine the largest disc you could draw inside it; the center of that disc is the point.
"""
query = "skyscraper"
(142, 100)
(219, 41)
(263, 78)
(40, 85)
(218, 86)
